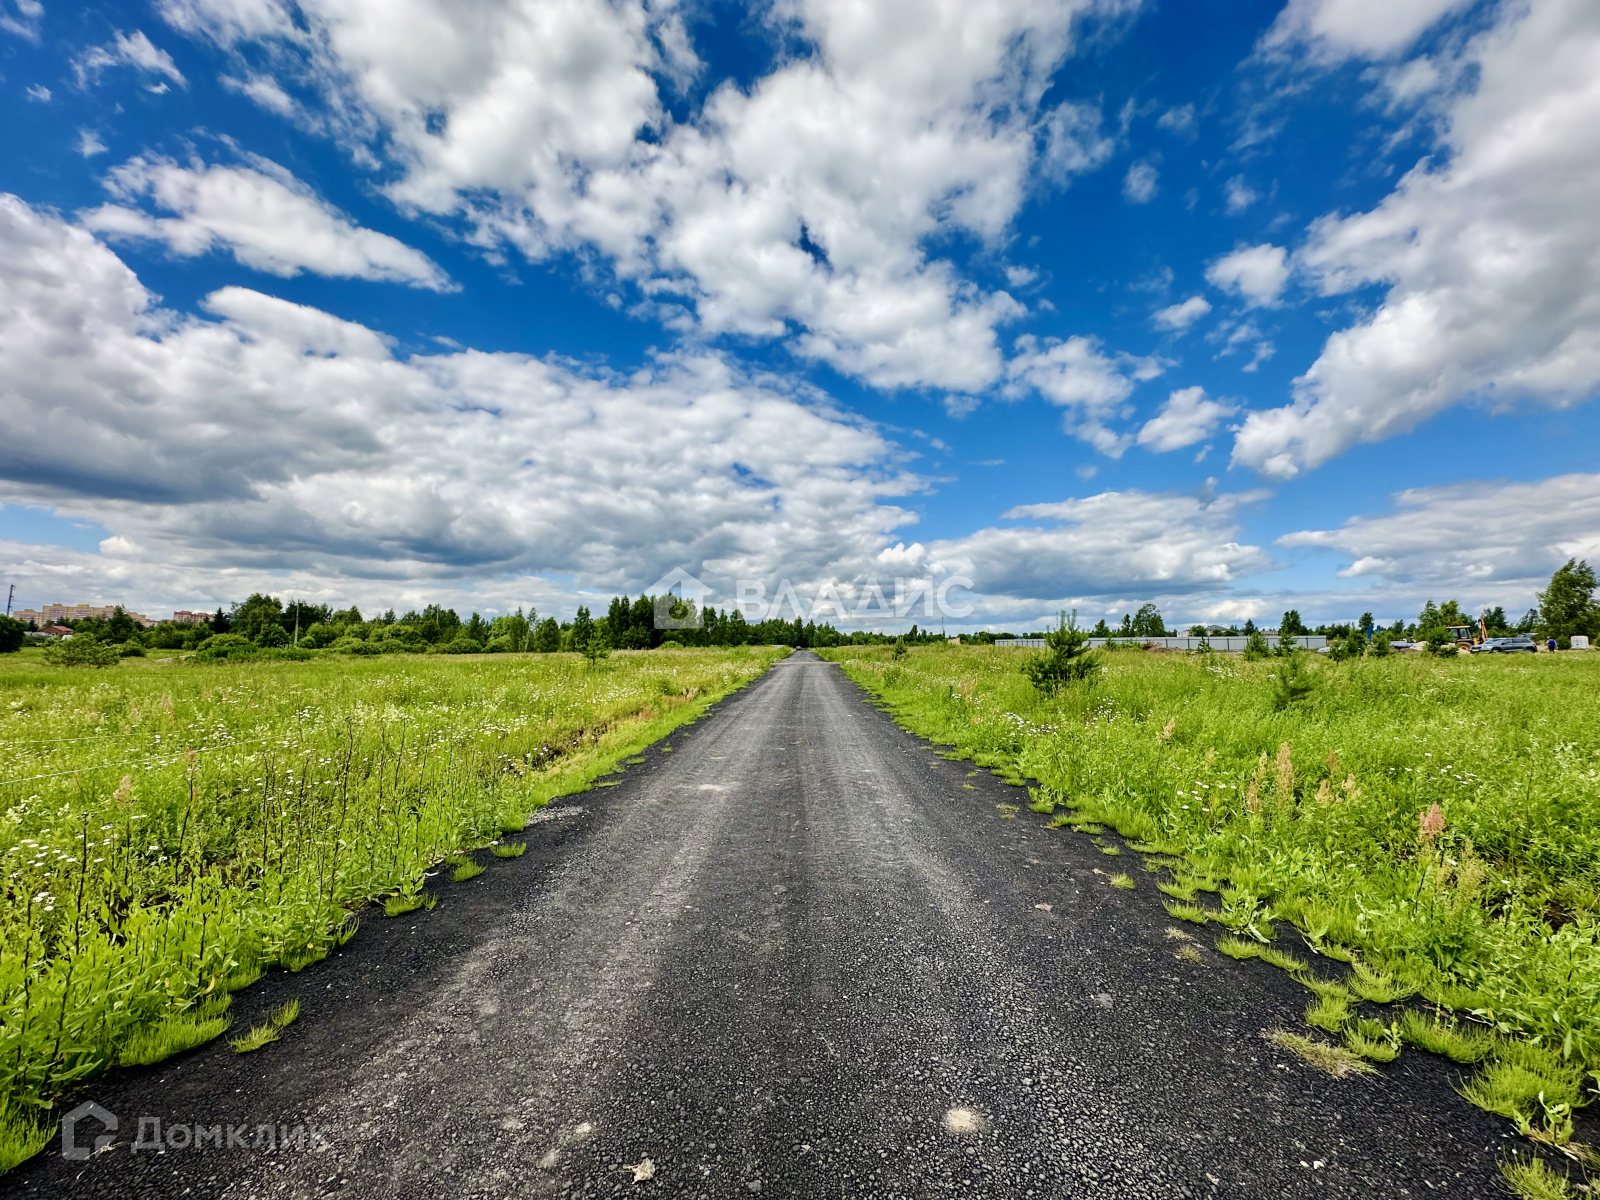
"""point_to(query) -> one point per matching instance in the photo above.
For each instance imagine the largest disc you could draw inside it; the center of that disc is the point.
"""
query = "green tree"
(1069, 659)
(1101, 629)
(1567, 606)
(12, 634)
(1292, 681)
(1428, 618)
(1255, 646)
(1494, 620)
(582, 629)
(1351, 645)
(1291, 625)
(256, 617)
(1147, 622)
(547, 636)
(81, 650)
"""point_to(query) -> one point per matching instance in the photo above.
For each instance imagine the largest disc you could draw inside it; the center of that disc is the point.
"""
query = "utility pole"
(9, 596)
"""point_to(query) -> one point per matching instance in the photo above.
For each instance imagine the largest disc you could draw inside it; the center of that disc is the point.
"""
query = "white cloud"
(1334, 29)
(1470, 535)
(1256, 273)
(267, 218)
(1074, 143)
(1240, 195)
(1139, 184)
(1187, 417)
(1491, 253)
(26, 23)
(1183, 314)
(541, 125)
(135, 50)
(89, 143)
(38, 93)
(276, 436)
(1180, 120)
(1075, 375)
(1115, 543)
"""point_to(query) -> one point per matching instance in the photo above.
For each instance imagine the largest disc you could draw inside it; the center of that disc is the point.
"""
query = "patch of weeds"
(172, 1036)
(513, 824)
(1043, 806)
(509, 849)
(1086, 826)
(1167, 850)
(298, 960)
(1445, 1038)
(285, 1015)
(21, 1137)
(1111, 850)
(635, 760)
(1174, 934)
(968, 787)
(259, 1036)
(1335, 1060)
(1532, 1087)
(972, 774)
(1008, 812)
(608, 783)
(1373, 1040)
(1374, 985)
(1238, 948)
(1192, 913)
(1189, 953)
(1529, 1179)
(1282, 959)
(398, 906)
(1178, 891)
(1124, 881)
(465, 870)
(243, 976)
(1329, 1012)
(1155, 862)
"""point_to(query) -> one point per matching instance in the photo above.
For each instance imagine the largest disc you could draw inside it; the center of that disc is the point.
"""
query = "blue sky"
(1233, 307)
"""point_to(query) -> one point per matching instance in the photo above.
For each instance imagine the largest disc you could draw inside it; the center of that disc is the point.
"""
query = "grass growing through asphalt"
(1434, 823)
(170, 830)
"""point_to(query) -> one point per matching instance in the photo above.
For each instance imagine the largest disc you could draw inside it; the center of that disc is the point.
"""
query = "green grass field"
(171, 830)
(1321, 816)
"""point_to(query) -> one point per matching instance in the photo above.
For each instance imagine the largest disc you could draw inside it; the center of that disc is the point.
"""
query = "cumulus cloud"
(800, 207)
(1255, 273)
(89, 143)
(1180, 120)
(1331, 30)
(1490, 252)
(267, 218)
(1183, 314)
(1112, 544)
(1187, 417)
(1240, 195)
(1471, 534)
(1077, 376)
(129, 50)
(270, 436)
(1139, 184)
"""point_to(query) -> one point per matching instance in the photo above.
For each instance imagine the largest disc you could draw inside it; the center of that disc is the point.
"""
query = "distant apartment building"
(56, 614)
(184, 617)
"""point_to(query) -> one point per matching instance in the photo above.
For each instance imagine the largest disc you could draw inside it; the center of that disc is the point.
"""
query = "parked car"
(1520, 644)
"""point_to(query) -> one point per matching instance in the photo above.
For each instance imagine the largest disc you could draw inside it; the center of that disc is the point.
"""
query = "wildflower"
(1166, 734)
(1430, 824)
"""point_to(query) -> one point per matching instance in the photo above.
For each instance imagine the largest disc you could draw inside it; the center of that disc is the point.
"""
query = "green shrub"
(81, 650)
(1292, 681)
(130, 650)
(12, 635)
(1256, 647)
(1068, 660)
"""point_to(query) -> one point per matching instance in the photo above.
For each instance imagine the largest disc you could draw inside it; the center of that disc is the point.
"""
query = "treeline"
(264, 623)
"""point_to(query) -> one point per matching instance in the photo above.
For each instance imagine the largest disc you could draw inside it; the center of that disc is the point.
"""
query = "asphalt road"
(796, 954)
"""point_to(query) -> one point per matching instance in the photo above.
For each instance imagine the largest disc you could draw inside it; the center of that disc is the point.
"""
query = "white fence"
(1305, 642)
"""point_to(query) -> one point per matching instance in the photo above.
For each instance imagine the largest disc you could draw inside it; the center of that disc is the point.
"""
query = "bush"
(462, 645)
(12, 634)
(1292, 681)
(319, 636)
(1352, 645)
(1380, 646)
(1069, 660)
(130, 650)
(354, 645)
(221, 645)
(1442, 642)
(1255, 646)
(81, 651)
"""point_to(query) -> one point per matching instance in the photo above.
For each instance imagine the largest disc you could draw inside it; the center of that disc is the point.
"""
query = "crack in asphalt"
(793, 957)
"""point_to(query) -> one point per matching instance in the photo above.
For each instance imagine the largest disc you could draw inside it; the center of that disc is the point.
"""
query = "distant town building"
(184, 617)
(55, 614)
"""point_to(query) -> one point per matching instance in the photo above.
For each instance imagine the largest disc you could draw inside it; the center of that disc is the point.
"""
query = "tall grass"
(169, 831)
(1441, 818)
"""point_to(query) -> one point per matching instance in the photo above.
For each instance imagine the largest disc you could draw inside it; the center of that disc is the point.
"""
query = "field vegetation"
(171, 830)
(1416, 839)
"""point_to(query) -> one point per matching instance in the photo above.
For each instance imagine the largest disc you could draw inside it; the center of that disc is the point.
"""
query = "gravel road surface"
(794, 953)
